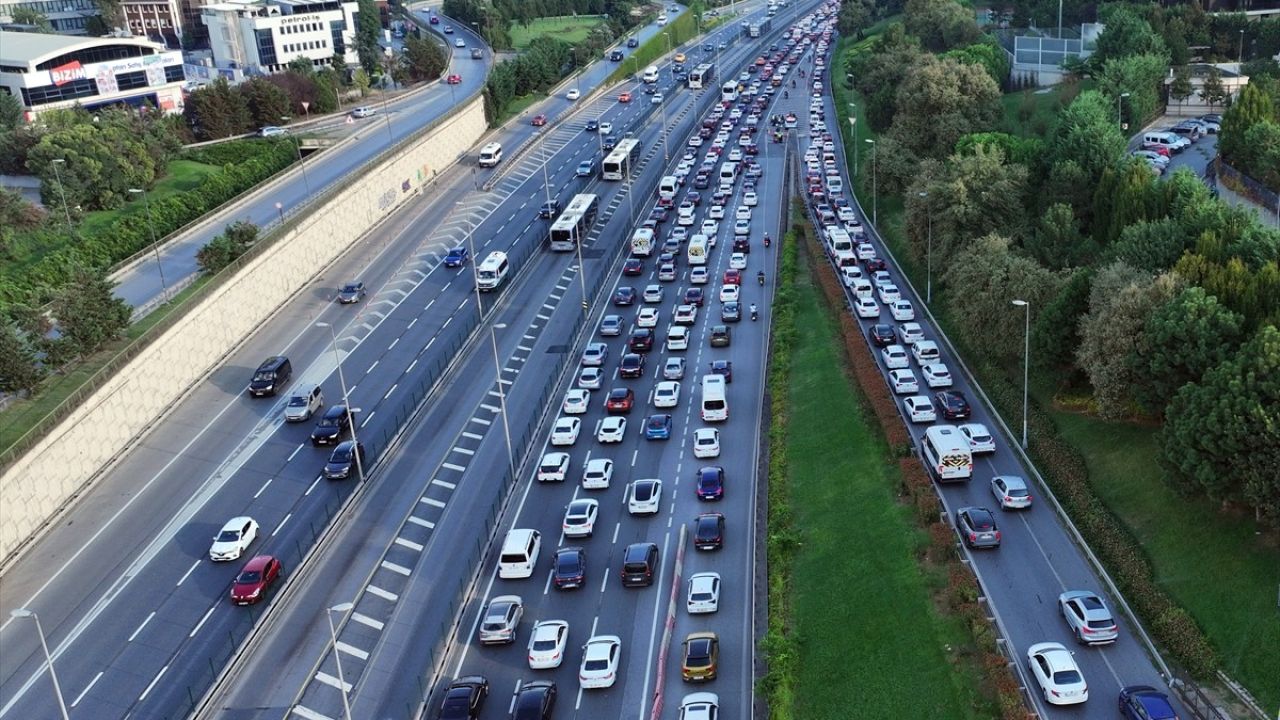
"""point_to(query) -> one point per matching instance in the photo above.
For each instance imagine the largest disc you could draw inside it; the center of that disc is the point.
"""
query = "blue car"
(1143, 702)
(457, 257)
(586, 168)
(658, 427)
(710, 483)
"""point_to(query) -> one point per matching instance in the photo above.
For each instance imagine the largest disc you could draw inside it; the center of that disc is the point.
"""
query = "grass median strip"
(864, 637)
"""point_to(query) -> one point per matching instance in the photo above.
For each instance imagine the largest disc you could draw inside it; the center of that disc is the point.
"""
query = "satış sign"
(70, 72)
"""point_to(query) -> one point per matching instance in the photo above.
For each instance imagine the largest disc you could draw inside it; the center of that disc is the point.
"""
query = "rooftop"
(21, 48)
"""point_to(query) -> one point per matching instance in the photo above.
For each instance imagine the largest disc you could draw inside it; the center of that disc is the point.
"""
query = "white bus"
(947, 454)
(698, 250)
(492, 272)
(573, 225)
(729, 91)
(617, 165)
(702, 76)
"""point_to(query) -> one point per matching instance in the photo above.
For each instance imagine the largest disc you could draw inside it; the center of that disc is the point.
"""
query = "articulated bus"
(574, 223)
(702, 76)
(729, 92)
(618, 164)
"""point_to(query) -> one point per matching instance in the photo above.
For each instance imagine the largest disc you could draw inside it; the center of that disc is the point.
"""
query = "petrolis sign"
(74, 70)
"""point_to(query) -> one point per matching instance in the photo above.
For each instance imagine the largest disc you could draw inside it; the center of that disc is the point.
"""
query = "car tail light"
(1008, 499)
(973, 537)
(1086, 629)
(997, 536)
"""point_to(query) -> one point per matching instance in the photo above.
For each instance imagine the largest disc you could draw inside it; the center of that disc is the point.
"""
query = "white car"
(890, 294)
(554, 467)
(867, 308)
(738, 261)
(715, 212)
(742, 227)
(910, 333)
(729, 293)
(919, 409)
(656, 99)
(865, 251)
(597, 474)
(936, 375)
(750, 199)
(695, 141)
(700, 706)
(711, 226)
(566, 431)
(901, 309)
(573, 94)
(895, 356)
(595, 354)
(698, 275)
(653, 294)
(677, 337)
(673, 369)
(236, 535)
(742, 213)
(850, 274)
(460, 43)
(580, 518)
(576, 401)
(590, 378)
(644, 497)
(706, 443)
(600, 657)
(845, 214)
(547, 644)
(980, 440)
(605, 128)
(735, 155)
(685, 315)
(612, 429)
(925, 352)
(881, 277)
(704, 593)
(1054, 668)
(666, 394)
(647, 318)
(1011, 492)
(903, 381)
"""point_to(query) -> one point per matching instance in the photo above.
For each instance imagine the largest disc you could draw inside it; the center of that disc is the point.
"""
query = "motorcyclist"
(767, 241)
(786, 94)
(760, 276)
(754, 313)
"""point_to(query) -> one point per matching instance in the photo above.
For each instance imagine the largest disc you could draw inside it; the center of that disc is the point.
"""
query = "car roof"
(235, 522)
(259, 562)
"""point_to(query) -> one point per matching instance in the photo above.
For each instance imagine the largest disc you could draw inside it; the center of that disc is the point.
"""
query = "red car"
(454, 80)
(624, 97)
(732, 277)
(255, 579)
(620, 400)
(633, 266)
(435, 20)
(539, 120)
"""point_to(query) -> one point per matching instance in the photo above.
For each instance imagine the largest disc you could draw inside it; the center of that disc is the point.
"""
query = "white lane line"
(384, 594)
(525, 348)
(393, 343)
(352, 650)
(367, 621)
(86, 690)
(546, 588)
(422, 523)
(490, 408)
(443, 483)
(268, 482)
(464, 451)
(371, 367)
(653, 628)
(452, 466)
(416, 547)
(282, 522)
(410, 368)
(393, 389)
(288, 459)
(368, 417)
(159, 675)
(432, 502)
(616, 528)
(398, 569)
(187, 574)
(472, 435)
(200, 624)
(144, 624)
(308, 714)
(332, 681)
(313, 485)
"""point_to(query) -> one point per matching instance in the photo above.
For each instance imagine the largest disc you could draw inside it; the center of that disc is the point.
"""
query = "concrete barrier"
(40, 485)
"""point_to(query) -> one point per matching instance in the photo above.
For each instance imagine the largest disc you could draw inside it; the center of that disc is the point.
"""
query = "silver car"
(978, 527)
(1088, 617)
(303, 405)
(673, 369)
(500, 619)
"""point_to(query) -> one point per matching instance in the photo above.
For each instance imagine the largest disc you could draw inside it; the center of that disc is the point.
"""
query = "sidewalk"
(1265, 215)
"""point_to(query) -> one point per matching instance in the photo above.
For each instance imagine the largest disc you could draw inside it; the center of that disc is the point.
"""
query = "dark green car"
(720, 336)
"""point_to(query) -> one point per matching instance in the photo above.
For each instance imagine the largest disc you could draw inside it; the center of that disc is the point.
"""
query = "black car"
(457, 257)
(570, 568)
(624, 296)
(708, 47)
(352, 292)
(742, 244)
(723, 367)
(609, 142)
(549, 209)
(876, 263)
(464, 698)
(632, 366)
(615, 56)
(650, 90)
(534, 700)
(693, 296)
(708, 531)
(332, 426)
(593, 126)
(641, 340)
(639, 563)
(659, 214)
(633, 42)
(343, 460)
(710, 483)
(881, 335)
(719, 336)
(731, 312)
(953, 404)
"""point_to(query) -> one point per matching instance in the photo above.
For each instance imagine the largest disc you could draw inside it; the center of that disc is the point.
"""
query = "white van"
(519, 553)
(642, 242)
(728, 172)
(493, 271)
(839, 241)
(668, 186)
(650, 75)
(697, 252)
(1166, 140)
(490, 154)
(846, 258)
(715, 407)
(946, 453)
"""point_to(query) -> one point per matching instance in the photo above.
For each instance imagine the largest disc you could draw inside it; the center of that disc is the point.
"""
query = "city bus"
(702, 76)
(617, 165)
(729, 92)
(573, 225)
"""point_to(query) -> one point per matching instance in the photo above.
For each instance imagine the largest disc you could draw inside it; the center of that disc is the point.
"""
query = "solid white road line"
(200, 624)
(144, 624)
(86, 690)
(187, 574)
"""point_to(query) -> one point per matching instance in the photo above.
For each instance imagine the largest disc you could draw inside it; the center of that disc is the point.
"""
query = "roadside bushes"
(227, 247)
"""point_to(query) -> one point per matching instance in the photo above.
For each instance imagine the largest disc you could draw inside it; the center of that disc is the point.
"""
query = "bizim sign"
(70, 72)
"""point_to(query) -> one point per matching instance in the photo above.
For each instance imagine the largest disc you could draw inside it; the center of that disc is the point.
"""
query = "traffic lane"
(1195, 158)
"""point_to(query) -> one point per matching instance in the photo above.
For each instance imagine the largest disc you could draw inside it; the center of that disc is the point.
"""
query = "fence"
(1244, 185)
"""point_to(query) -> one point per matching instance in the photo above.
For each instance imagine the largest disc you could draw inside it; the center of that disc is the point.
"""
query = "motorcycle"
(767, 241)
(755, 315)
(760, 277)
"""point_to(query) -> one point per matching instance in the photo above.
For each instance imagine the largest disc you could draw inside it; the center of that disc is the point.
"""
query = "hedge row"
(960, 594)
(682, 29)
(35, 284)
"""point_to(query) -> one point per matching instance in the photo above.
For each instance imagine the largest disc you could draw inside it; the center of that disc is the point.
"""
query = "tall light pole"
(66, 211)
(1026, 367)
(155, 243)
(346, 399)
(928, 253)
(1120, 109)
(297, 146)
(337, 656)
(853, 128)
(1240, 57)
(662, 106)
(875, 199)
(546, 181)
(23, 613)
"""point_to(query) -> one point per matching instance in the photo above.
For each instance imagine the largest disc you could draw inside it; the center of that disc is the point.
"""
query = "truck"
(756, 29)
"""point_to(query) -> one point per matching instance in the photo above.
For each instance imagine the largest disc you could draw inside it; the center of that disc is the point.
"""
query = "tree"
(1259, 155)
(111, 13)
(368, 28)
(1087, 134)
(266, 101)
(1182, 340)
(941, 24)
(20, 370)
(1057, 241)
(992, 276)
(217, 111)
(1181, 89)
(1120, 302)
(1055, 334)
(970, 196)
(339, 65)
(941, 101)
(1221, 434)
(1141, 76)
(878, 72)
(1251, 107)
(1127, 34)
(986, 53)
(88, 314)
(1124, 197)
(1151, 245)
(424, 59)
(27, 16)
(101, 163)
(1213, 91)
(11, 112)
(225, 248)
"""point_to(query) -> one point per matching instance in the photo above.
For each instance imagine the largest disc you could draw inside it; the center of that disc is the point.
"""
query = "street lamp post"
(23, 613)
(297, 146)
(66, 211)
(928, 253)
(337, 656)
(280, 211)
(1240, 56)
(346, 398)
(1120, 109)
(853, 128)
(1026, 366)
(155, 244)
(875, 199)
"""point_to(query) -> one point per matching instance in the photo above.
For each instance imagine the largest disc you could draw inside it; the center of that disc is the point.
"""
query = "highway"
(1038, 557)
(137, 619)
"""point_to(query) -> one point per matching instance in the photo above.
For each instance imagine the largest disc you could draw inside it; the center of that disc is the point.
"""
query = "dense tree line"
(543, 65)
(494, 20)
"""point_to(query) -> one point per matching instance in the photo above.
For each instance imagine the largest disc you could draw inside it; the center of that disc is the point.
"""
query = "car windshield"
(657, 422)
(701, 596)
(567, 562)
(350, 288)
(1067, 677)
(249, 576)
(229, 536)
(340, 455)
(297, 401)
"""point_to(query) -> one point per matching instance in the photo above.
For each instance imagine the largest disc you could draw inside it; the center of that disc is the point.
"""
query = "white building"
(263, 36)
(66, 16)
(59, 71)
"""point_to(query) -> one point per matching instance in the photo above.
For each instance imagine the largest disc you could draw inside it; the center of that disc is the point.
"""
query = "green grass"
(566, 28)
(1215, 565)
(517, 106)
(183, 175)
(870, 643)
(1042, 105)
